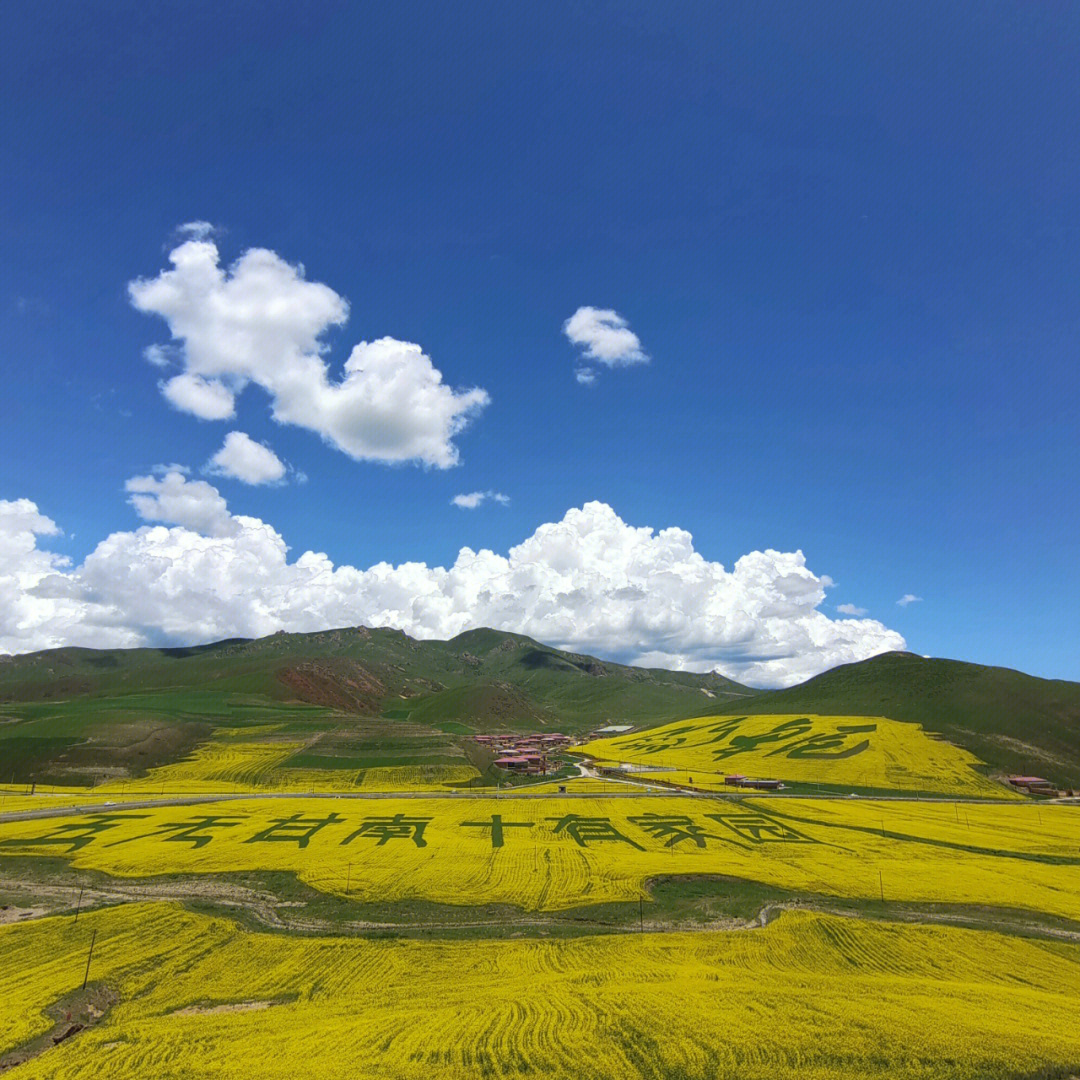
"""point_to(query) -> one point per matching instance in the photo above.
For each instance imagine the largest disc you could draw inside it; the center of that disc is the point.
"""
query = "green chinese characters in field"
(870, 753)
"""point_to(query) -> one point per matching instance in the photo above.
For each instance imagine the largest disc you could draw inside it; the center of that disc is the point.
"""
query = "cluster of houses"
(524, 754)
(1033, 785)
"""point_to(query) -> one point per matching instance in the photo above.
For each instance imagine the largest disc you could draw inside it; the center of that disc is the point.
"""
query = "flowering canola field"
(553, 853)
(838, 751)
(811, 997)
(227, 765)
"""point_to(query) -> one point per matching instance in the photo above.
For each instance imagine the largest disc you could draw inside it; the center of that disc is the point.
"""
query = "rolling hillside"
(350, 693)
(85, 713)
(1012, 721)
(482, 676)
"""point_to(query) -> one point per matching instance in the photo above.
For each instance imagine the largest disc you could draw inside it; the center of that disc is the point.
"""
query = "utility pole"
(881, 882)
(641, 914)
(78, 907)
(93, 938)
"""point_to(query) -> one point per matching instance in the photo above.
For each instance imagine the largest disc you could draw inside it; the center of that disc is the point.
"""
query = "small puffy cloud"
(472, 500)
(605, 337)
(260, 321)
(242, 458)
(589, 582)
(909, 598)
(161, 356)
(196, 230)
(208, 399)
(850, 609)
(176, 500)
(585, 376)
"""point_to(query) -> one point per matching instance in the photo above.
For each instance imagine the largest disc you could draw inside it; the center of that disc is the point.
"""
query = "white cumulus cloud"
(242, 458)
(909, 598)
(26, 605)
(850, 609)
(590, 582)
(208, 399)
(604, 336)
(176, 500)
(474, 498)
(260, 321)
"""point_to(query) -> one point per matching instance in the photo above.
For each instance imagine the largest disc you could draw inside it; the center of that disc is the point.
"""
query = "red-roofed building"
(531, 764)
(1035, 785)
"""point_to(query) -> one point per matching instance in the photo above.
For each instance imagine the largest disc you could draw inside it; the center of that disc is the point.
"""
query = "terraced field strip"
(853, 751)
(236, 764)
(554, 852)
(809, 996)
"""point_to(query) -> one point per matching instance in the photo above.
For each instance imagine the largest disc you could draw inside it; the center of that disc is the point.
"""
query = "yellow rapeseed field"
(227, 765)
(553, 853)
(416, 777)
(834, 751)
(810, 997)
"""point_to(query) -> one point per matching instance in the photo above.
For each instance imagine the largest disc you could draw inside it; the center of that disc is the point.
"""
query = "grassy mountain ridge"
(1013, 721)
(363, 670)
(138, 707)
(85, 712)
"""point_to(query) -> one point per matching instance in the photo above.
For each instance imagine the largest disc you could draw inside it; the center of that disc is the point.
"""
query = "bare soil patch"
(11, 913)
(72, 1014)
(234, 1007)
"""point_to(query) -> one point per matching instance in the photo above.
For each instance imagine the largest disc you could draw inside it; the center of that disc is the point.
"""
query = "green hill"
(86, 713)
(1014, 722)
(77, 713)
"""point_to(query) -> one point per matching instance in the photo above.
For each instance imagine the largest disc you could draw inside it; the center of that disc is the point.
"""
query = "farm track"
(267, 910)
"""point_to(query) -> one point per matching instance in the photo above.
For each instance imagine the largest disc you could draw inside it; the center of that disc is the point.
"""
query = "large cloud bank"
(260, 321)
(589, 582)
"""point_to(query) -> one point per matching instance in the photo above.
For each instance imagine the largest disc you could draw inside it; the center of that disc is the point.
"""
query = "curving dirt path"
(268, 910)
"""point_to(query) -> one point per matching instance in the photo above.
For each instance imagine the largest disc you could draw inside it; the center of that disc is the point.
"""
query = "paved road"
(630, 791)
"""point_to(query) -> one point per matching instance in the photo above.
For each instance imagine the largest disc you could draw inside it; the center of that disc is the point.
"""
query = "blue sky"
(846, 235)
